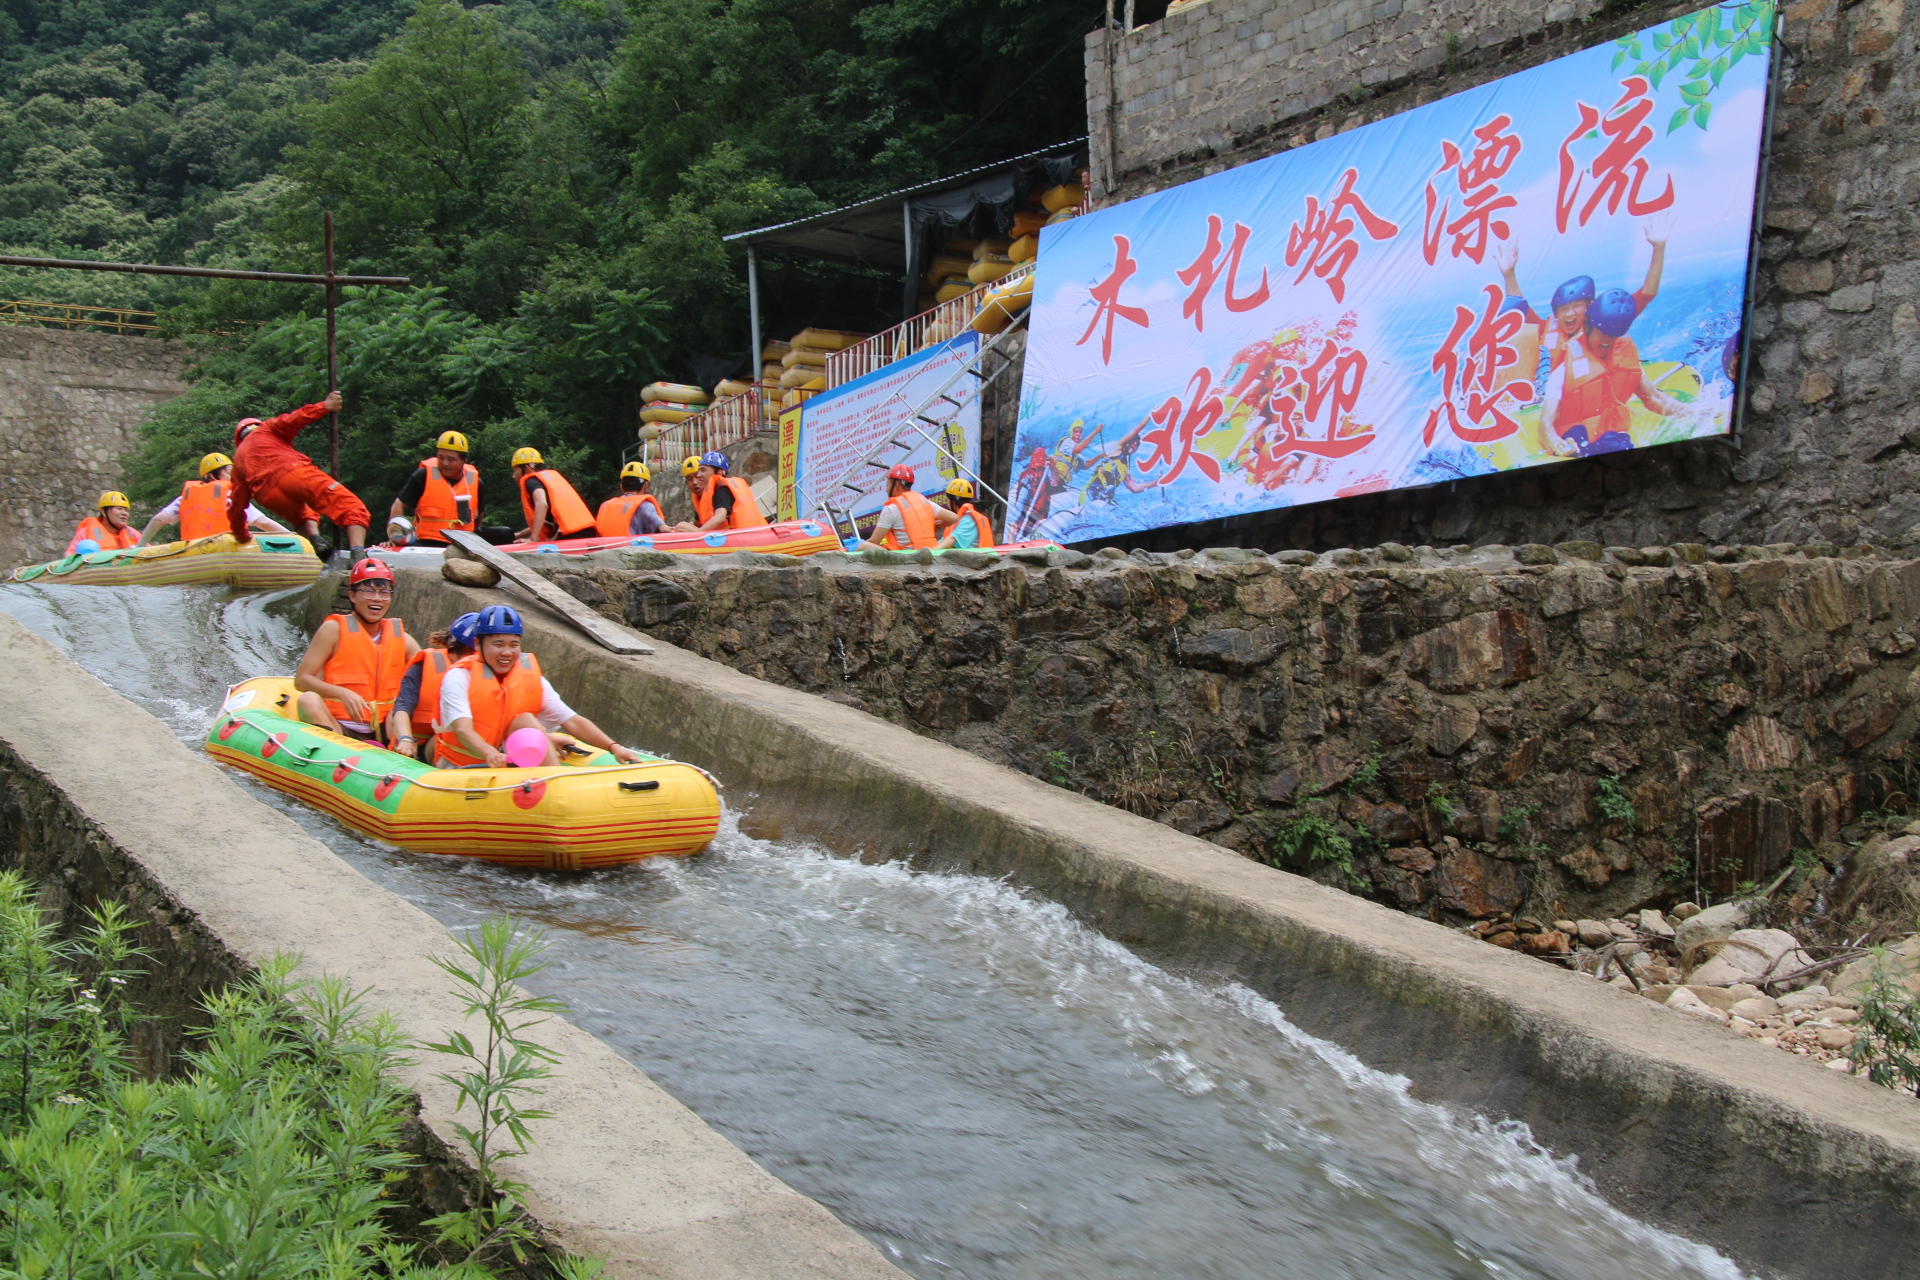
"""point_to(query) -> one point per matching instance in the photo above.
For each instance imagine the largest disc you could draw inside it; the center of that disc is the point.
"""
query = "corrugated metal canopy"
(872, 233)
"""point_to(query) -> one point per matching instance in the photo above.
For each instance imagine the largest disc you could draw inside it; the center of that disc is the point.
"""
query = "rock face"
(1484, 651)
(1566, 739)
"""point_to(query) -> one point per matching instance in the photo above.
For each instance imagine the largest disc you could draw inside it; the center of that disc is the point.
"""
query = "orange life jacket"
(1596, 389)
(433, 664)
(745, 511)
(917, 514)
(616, 513)
(368, 664)
(566, 513)
(109, 538)
(203, 509)
(439, 507)
(494, 704)
(984, 525)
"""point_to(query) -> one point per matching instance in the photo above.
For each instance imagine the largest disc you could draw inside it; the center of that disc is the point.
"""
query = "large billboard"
(1552, 265)
(823, 442)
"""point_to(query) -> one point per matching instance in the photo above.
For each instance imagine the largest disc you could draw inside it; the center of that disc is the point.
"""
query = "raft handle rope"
(528, 783)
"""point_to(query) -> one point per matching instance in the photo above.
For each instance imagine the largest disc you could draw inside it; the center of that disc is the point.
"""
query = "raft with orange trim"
(589, 813)
(270, 562)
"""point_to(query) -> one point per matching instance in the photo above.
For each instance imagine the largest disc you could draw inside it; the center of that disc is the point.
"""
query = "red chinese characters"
(1107, 295)
(1477, 175)
(1322, 242)
(1471, 381)
(1299, 393)
(1619, 169)
(1178, 426)
(1205, 271)
(1310, 405)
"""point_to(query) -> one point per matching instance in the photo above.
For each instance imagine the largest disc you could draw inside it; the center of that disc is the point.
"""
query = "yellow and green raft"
(270, 562)
(590, 813)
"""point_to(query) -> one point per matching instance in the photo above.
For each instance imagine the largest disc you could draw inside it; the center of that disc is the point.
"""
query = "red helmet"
(903, 473)
(367, 570)
(1039, 456)
(242, 427)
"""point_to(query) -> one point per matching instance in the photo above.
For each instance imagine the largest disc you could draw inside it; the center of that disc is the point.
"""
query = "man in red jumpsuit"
(267, 469)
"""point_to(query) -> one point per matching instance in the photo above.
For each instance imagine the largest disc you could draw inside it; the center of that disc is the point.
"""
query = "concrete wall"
(1834, 410)
(1788, 1167)
(219, 882)
(71, 402)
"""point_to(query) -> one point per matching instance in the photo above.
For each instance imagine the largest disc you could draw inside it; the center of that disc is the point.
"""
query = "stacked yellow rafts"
(671, 402)
(771, 371)
(804, 366)
(946, 277)
(998, 307)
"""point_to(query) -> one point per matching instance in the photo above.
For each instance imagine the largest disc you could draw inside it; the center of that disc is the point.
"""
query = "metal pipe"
(333, 361)
(910, 287)
(209, 273)
(753, 323)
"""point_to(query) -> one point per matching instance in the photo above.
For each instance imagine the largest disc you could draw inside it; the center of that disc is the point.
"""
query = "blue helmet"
(498, 620)
(1612, 312)
(1730, 357)
(460, 631)
(717, 460)
(1578, 289)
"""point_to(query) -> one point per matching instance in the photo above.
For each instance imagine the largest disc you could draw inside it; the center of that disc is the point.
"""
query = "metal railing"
(77, 315)
(944, 321)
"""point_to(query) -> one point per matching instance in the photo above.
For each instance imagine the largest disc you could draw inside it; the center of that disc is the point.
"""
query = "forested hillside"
(555, 176)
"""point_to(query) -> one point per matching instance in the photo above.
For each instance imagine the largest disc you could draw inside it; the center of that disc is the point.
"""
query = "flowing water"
(956, 1068)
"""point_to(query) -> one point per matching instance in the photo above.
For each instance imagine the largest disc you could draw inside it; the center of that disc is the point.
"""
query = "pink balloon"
(525, 748)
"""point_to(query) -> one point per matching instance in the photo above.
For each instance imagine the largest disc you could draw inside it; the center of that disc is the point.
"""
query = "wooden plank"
(608, 635)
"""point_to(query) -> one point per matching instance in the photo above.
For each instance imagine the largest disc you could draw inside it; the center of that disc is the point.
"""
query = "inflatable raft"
(787, 538)
(581, 816)
(268, 563)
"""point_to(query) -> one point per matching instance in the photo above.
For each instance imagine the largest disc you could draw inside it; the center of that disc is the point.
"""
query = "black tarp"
(979, 209)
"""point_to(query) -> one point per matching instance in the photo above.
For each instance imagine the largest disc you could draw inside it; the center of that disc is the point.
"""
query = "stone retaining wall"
(70, 404)
(1575, 732)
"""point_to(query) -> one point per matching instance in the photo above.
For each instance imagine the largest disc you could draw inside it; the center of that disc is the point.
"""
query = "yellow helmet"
(689, 465)
(638, 470)
(212, 463)
(527, 458)
(113, 498)
(960, 489)
(458, 443)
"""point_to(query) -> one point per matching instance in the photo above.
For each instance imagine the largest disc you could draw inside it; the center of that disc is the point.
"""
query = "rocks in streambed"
(1754, 982)
(1753, 955)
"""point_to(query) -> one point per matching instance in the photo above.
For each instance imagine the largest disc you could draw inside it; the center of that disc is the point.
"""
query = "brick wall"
(1831, 450)
(70, 404)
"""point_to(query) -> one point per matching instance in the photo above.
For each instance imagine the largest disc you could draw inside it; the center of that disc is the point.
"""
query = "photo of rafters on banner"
(1549, 266)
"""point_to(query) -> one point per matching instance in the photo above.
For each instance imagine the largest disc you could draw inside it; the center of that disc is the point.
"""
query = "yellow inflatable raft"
(580, 816)
(268, 563)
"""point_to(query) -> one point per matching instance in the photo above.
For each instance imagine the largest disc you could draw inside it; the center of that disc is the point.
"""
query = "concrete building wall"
(1829, 450)
(71, 403)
